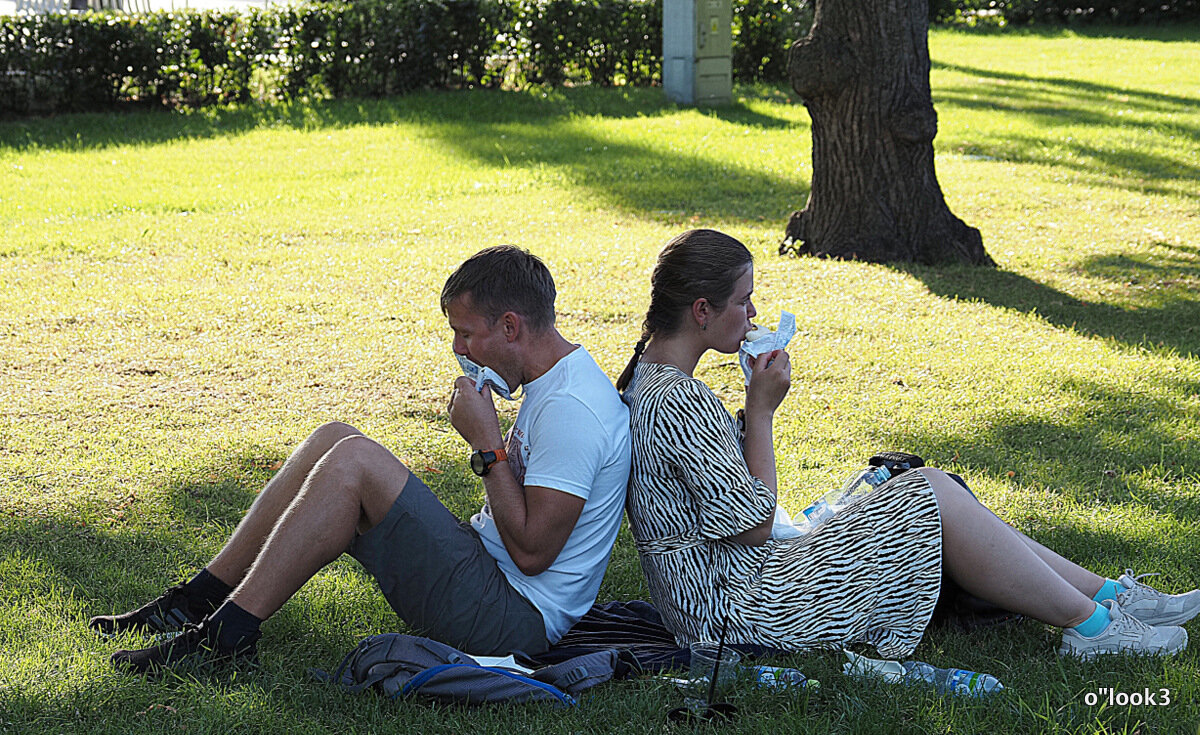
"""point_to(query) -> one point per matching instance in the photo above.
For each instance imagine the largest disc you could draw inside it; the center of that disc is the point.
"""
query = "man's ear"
(512, 324)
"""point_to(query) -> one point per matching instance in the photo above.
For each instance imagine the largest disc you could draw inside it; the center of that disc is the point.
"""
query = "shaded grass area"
(185, 296)
(538, 135)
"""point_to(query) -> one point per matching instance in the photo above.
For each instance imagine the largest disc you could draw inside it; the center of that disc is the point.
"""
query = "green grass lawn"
(184, 296)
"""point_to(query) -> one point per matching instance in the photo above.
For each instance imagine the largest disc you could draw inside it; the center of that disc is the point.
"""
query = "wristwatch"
(482, 461)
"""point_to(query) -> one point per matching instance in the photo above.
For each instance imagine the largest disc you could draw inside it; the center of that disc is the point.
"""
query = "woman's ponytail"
(627, 373)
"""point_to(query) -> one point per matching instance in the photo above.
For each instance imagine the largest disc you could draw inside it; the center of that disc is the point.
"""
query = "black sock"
(207, 588)
(231, 626)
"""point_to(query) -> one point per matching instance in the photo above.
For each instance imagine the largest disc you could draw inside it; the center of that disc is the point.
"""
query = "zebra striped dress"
(871, 574)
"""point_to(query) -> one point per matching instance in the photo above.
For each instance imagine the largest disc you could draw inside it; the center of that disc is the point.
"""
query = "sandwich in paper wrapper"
(485, 376)
(761, 340)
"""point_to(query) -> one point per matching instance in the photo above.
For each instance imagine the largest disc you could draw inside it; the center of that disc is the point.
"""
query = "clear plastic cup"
(704, 657)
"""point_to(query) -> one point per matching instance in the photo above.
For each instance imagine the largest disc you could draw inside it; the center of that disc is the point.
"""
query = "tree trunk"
(863, 73)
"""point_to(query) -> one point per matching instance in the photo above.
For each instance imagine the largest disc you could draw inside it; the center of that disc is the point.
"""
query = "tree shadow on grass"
(1053, 102)
(741, 114)
(1161, 288)
(1105, 447)
(1149, 31)
(1085, 94)
(532, 129)
(633, 176)
(89, 131)
(1108, 446)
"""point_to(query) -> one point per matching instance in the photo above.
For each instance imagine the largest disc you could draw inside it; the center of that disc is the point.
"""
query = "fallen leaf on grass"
(167, 707)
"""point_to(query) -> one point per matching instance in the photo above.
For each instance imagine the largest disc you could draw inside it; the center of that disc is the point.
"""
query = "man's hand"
(473, 415)
(534, 522)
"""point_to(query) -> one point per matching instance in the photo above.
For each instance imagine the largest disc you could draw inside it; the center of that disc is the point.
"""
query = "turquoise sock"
(1095, 623)
(1108, 591)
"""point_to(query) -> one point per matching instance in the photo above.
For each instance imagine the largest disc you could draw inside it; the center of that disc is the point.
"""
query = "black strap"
(897, 462)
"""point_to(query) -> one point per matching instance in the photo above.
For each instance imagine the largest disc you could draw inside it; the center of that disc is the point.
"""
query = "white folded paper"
(862, 666)
(776, 340)
(782, 526)
(503, 662)
(484, 376)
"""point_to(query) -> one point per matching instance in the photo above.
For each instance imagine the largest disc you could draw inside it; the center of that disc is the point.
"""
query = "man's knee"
(370, 473)
(329, 434)
(366, 463)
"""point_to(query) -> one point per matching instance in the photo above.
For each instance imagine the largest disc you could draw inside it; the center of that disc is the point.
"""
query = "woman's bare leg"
(1087, 582)
(989, 559)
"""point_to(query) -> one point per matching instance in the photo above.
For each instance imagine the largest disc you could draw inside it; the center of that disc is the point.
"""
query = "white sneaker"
(1153, 607)
(1125, 634)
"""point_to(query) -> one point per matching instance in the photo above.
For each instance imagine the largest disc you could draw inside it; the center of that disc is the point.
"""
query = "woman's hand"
(770, 378)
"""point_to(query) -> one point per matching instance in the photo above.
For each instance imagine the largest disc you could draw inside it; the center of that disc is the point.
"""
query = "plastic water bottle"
(778, 677)
(814, 515)
(857, 485)
(954, 681)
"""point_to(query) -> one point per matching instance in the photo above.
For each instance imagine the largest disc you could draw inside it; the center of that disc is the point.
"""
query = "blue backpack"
(398, 665)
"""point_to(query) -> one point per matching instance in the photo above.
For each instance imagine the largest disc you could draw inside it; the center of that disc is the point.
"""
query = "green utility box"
(698, 51)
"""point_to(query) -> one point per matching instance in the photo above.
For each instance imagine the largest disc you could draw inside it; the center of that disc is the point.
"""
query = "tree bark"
(863, 74)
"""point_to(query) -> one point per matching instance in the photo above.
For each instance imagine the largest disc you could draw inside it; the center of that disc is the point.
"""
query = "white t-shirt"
(571, 435)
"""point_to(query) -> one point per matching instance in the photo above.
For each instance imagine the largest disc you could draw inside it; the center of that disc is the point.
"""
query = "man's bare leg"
(233, 561)
(204, 593)
(351, 488)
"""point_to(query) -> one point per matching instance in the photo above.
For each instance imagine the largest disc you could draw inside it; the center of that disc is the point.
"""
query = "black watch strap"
(482, 460)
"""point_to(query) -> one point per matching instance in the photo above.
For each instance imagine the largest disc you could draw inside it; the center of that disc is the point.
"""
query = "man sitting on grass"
(514, 578)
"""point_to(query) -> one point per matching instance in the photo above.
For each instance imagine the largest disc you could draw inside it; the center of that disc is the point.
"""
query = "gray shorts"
(441, 581)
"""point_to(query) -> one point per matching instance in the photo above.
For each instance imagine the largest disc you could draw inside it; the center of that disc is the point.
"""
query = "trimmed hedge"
(87, 61)
(375, 48)
(1025, 12)
(601, 41)
(763, 31)
(1116, 11)
(92, 60)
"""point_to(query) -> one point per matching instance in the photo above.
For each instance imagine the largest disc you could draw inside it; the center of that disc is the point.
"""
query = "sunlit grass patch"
(186, 295)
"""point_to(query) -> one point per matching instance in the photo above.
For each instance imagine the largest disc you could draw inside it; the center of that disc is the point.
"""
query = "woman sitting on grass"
(702, 501)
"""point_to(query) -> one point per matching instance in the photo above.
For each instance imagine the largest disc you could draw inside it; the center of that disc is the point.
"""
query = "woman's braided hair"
(698, 264)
